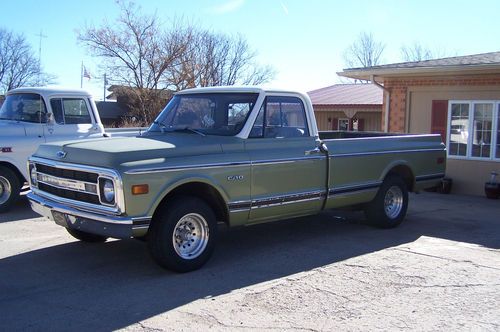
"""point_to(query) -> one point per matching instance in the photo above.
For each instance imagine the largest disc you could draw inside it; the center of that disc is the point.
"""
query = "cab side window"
(281, 117)
(70, 111)
(57, 110)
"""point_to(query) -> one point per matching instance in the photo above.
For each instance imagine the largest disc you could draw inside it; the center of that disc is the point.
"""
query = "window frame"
(494, 130)
(348, 123)
(87, 102)
(263, 107)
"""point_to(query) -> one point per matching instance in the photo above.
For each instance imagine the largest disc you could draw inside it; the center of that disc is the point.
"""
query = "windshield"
(222, 114)
(27, 107)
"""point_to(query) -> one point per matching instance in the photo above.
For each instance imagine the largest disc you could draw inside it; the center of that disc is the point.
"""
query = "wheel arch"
(14, 169)
(404, 170)
(200, 189)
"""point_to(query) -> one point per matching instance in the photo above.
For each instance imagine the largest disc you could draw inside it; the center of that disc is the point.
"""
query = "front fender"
(154, 199)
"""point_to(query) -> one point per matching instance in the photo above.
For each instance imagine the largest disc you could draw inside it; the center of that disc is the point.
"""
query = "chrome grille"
(69, 194)
(68, 183)
(67, 173)
(78, 186)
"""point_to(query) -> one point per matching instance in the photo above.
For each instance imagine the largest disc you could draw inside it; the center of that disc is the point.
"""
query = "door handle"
(316, 150)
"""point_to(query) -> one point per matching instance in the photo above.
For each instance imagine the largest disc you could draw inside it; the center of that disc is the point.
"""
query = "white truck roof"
(243, 89)
(51, 91)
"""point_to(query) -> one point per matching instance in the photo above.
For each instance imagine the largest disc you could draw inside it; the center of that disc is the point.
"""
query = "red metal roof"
(347, 94)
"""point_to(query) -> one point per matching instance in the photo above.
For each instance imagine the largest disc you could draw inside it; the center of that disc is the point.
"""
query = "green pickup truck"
(240, 156)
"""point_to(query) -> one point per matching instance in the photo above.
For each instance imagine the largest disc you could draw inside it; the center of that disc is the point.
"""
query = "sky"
(303, 40)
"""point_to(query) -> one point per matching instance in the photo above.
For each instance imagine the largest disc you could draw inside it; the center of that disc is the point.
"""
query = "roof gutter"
(387, 101)
(366, 73)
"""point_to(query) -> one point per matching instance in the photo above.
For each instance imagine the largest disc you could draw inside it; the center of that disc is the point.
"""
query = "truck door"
(72, 118)
(288, 170)
(23, 118)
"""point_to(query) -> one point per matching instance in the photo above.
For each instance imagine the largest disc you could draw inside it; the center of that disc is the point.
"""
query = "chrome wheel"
(190, 236)
(393, 202)
(5, 190)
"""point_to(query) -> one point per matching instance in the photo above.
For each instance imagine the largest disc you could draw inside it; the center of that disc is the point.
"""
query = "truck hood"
(113, 152)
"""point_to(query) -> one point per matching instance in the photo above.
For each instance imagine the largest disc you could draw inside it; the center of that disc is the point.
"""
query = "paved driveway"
(440, 270)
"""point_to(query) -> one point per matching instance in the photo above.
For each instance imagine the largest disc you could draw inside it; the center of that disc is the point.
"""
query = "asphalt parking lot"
(440, 270)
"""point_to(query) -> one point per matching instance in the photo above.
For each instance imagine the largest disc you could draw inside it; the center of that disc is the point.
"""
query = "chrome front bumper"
(106, 225)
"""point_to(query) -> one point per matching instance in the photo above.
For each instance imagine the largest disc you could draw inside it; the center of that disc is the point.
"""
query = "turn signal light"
(140, 189)
(440, 160)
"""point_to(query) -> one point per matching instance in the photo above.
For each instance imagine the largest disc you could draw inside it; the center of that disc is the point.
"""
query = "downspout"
(387, 102)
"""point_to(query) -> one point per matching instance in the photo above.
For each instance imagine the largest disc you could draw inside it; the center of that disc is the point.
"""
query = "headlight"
(33, 175)
(107, 190)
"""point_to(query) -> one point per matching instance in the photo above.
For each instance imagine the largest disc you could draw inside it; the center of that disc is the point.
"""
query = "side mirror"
(50, 118)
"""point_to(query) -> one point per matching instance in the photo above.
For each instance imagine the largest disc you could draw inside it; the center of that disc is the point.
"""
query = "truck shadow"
(113, 285)
(19, 211)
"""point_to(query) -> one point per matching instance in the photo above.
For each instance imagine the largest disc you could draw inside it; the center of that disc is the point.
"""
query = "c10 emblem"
(235, 178)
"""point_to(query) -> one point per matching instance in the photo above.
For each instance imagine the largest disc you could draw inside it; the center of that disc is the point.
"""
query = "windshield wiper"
(164, 128)
(188, 129)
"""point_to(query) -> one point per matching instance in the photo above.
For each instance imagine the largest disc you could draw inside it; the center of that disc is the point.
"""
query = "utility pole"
(104, 88)
(40, 35)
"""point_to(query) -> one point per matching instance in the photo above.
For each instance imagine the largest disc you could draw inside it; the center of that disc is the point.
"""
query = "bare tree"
(148, 60)
(136, 54)
(364, 52)
(415, 52)
(18, 64)
(217, 59)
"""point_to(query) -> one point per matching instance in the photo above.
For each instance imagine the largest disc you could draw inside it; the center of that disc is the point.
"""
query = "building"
(457, 97)
(112, 114)
(348, 107)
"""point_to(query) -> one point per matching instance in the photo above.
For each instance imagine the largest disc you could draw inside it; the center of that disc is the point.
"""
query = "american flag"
(86, 73)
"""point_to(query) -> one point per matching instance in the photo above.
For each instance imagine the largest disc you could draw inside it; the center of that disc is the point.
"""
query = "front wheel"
(9, 188)
(388, 208)
(182, 235)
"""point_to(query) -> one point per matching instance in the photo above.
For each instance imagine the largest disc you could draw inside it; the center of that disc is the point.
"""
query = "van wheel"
(388, 208)
(183, 234)
(86, 237)
(9, 188)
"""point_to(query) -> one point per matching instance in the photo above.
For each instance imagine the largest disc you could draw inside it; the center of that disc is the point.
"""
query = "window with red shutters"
(335, 124)
(439, 118)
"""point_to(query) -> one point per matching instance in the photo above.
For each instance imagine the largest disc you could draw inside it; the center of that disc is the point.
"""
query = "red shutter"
(335, 124)
(439, 118)
(361, 124)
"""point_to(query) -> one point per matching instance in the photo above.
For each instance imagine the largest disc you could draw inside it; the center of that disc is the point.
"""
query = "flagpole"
(81, 76)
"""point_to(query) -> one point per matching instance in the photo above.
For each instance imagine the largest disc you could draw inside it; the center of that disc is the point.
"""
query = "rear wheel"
(86, 237)
(182, 235)
(388, 208)
(9, 188)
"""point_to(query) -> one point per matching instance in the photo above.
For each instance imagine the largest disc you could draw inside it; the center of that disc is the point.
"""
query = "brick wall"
(398, 90)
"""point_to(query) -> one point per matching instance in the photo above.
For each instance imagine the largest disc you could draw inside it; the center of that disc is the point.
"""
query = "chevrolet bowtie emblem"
(61, 154)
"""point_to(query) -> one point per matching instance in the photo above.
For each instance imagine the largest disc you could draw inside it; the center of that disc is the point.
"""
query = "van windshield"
(222, 114)
(27, 107)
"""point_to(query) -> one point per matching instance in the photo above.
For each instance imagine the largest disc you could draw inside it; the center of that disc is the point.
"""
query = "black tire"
(388, 208)
(10, 185)
(86, 237)
(183, 222)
